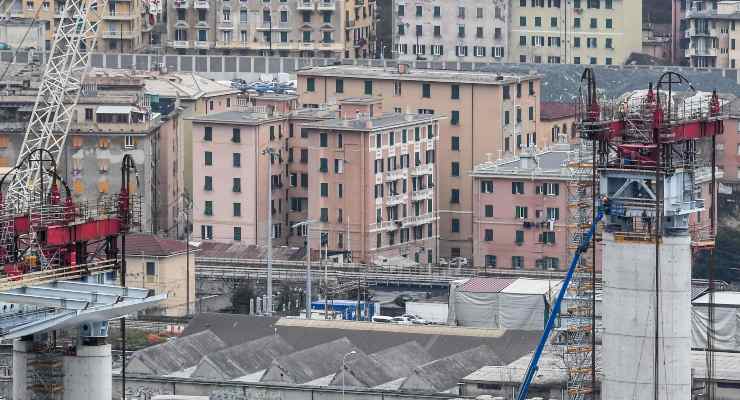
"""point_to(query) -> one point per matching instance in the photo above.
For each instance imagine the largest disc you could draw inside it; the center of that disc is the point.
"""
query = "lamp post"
(185, 214)
(353, 352)
(270, 152)
(307, 224)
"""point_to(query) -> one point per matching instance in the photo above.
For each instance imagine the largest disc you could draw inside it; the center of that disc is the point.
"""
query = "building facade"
(487, 115)
(600, 32)
(372, 189)
(305, 28)
(467, 30)
(125, 26)
(710, 33)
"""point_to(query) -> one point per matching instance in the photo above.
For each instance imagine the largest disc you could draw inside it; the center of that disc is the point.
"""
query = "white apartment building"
(712, 34)
(438, 30)
(603, 32)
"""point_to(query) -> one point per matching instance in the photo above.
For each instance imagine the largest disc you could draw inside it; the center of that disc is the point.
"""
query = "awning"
(116, 110)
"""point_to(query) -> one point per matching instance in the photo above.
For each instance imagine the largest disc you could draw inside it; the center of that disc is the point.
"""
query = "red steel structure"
(55, 237)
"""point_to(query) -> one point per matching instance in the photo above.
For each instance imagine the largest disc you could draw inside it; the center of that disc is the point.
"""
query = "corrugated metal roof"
(532, 286)
(486, 285)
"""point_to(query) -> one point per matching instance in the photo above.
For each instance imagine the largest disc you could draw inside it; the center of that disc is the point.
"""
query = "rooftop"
(554, 110)
(242, 359)
(360, 100)
(142, 244)
(426, 75)
(185, 86)
(175, 355)
(445, 373)
(550, 163)
(252, 117)
(385, 121)
(250, 252)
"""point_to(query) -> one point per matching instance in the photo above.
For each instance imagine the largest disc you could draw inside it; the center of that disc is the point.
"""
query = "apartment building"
(523, 207)
(372, 187)
(306, 28)
(557, 123)
(487, 114)
(465, 30)
(603, 32)
(360, 29)
(125, 25)
(711, 34)
(113, 118)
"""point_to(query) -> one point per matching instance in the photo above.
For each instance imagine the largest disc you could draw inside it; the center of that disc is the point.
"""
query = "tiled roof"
(139, 244)
(551, 110)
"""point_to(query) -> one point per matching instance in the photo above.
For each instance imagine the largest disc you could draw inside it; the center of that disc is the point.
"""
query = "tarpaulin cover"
(726, 321)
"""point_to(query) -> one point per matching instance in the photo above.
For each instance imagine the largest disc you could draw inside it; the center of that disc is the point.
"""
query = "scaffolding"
(45, 374)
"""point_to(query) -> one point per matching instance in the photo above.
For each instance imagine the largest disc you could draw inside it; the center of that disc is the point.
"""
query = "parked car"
(402, 321)
(382, 319)
(415, 319)
(455, 262)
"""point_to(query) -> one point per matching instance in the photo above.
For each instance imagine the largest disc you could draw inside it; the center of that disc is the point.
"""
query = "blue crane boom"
(533, 365)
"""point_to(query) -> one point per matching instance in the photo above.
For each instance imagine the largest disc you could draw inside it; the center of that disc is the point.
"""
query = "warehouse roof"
(175, 355)
(361, 370)
(309, 364)
(444, 374)
(533, 286)
(400, 360)
(242, 359)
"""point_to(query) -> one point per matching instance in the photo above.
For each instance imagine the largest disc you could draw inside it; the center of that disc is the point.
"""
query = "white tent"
(726, 321)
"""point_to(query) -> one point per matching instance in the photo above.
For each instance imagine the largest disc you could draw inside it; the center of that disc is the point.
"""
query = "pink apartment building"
(487, 113)
(372, 187)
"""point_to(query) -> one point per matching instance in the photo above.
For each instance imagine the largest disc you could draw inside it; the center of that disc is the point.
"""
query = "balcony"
(424, 194)
(333, 46)
(225, 25)
(419, 220)
(396, 199)
(201, 5)
(182, 3)
(202, 44)
(118, 16)
(327, 5)
(706, 52)
(305, 5)
(118, 34)
(178, 44)
(704, 13)
(385, 226)
(424, 169)
(395, 175)
(306, 46)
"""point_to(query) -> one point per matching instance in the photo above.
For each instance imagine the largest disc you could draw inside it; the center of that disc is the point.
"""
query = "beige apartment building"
(125, 25)
(712, 36)
(488, 115)
(372, 189)
(360, 28)
(306, 28)
(603, 32)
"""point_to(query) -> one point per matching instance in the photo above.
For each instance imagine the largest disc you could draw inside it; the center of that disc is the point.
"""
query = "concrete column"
(87, 375)
(629, 319)
(21, 350)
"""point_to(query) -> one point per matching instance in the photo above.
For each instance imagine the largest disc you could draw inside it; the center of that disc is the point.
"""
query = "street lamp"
(271, 153)
(353, 352)
(188, 228)
(307, 223)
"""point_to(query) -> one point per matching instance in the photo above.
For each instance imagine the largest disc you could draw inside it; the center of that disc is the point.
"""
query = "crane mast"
(57, 97)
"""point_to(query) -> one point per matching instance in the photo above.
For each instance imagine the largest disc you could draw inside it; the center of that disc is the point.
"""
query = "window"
(304, 180)
(340, 190)
(576, 42)
(401, 10)
(490, 262)
(553, 22)
(506, 118)
(488, 211)
(324, 189)
(209, 158)
(426, 90)
(455, 168)
(547, 237)
(236, 135)
(338, 166)
(456, 143)
(339, 86)
(488, 235)
(479, 32)
(520, 212)
(507, 93)
(304, 156)
(609, 23)
(455, 196)
(455, 92)
(455, 226)
(236, 160)
(437, 12)
(553, 213)
(608, 43)
(550, 189)
(369, 87)
(208, 208)
(517, 262)
(486, 186)
(236, 185)
(237, 209)
(608, 4)
(323, 139)
(576, 22)
(594, 23)
(479, 51)
(237, 233)
(419, 11)
(455, 118)
(522, 21)
(324, 165)
(461, 12)
(208, 184)
(537, 21)
(151, 269)
(311, 84)
(519, 237)
(324, 215)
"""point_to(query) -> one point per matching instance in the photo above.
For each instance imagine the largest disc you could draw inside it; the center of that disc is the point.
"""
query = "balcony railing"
(119, 16)
(396, 199)
(179, 44)
(202, 44)
(201, 4)
(419, 220)
(119, 34)
(422, 194)
(305, 5)
(395, 175)
(424, 169)
(327, 5)
(182, 3)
